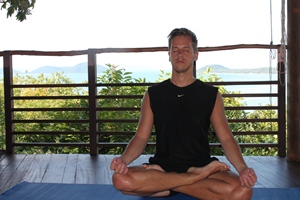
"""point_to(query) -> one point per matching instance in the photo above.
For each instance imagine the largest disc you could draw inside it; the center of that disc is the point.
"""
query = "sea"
(152, 76)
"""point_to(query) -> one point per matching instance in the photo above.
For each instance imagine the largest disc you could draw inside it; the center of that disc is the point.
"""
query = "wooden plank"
(110, 172)
(70, 169)
(259, 184)
(283, 170)
(293, 171)
(18, 175)
(88, 169)
(262, 181)
(1, 156)
(37, 169)
(264, 177)
(273, 172)
(10, 163)
(270, 173)
(3, 164)
(105, 172)
(55, 169)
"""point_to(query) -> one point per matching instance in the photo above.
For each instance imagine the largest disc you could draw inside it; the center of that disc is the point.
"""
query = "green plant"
(114, 74)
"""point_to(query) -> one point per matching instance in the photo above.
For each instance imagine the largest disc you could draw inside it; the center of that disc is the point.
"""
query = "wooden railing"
(93, 108)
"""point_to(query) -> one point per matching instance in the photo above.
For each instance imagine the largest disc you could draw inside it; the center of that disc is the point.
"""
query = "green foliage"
(56, 78)
(261, 126)
(21, 7)
(243, 127)
(116, 75)
(113, 75)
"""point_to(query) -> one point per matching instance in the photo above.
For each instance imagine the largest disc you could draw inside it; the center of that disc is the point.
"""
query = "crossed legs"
(221, 185)
(213, 181)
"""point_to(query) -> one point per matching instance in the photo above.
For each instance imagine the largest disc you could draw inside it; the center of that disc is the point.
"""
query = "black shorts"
(180, 168)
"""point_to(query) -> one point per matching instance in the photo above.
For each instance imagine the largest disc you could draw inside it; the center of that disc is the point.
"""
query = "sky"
(65, 25)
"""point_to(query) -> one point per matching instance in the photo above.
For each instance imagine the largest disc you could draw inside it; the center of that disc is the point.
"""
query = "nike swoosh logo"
(180, 95)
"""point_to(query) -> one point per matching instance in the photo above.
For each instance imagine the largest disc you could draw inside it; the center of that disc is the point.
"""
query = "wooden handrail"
(133, 50)
(92, 97)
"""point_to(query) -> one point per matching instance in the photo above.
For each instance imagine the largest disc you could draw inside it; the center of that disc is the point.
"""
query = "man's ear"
(196, 55)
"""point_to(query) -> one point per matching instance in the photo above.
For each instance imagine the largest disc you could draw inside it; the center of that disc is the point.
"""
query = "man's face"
(181, 54)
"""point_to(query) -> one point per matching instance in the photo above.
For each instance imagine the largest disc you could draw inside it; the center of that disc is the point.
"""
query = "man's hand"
(119, 166)
(248, 177)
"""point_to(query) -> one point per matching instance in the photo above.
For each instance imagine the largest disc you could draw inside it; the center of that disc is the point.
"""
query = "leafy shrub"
(114, 74)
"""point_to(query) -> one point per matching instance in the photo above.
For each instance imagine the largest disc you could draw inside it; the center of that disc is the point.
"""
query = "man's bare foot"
(209, 169)
(153, 166)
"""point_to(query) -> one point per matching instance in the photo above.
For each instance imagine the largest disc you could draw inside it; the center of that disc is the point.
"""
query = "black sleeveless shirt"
(182, 120)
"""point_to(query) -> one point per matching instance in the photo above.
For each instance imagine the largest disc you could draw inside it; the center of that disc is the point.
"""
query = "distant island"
(221, 69)
(82, 68)
(79, 68)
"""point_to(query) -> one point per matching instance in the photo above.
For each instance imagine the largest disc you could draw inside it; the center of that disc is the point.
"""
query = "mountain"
(82, 68)
(214, 68)
(79, 68)
(221, 69)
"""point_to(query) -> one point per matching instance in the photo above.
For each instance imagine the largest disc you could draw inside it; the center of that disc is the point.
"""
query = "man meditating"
(182, 109)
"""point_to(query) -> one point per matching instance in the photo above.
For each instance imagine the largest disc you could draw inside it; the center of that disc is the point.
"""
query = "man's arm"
(139, 141)
(230, 146)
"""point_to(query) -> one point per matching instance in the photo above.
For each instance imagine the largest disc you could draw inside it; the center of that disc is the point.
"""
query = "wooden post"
(281, 105)
(8, 93)
(293, 80)
(92, 77)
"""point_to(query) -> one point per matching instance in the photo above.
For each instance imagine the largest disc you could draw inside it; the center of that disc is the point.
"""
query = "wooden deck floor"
(273, 172)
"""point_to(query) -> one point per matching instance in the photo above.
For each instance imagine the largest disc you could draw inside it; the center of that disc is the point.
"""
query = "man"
(182, 109)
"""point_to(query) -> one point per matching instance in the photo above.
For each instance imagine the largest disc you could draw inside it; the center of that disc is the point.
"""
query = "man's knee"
(234, 191)
(242, 193)
(122, 182)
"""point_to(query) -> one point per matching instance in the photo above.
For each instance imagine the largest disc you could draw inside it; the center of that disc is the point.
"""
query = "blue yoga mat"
(56, 191)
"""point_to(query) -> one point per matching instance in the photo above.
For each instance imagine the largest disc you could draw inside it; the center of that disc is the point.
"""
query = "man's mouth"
(179, 61)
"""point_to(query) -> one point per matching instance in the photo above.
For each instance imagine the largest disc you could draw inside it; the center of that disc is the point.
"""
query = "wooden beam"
(293, 80)
(8, 93)
(92, 76)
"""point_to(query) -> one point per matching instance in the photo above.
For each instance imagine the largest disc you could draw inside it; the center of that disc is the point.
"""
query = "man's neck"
(182, 81)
